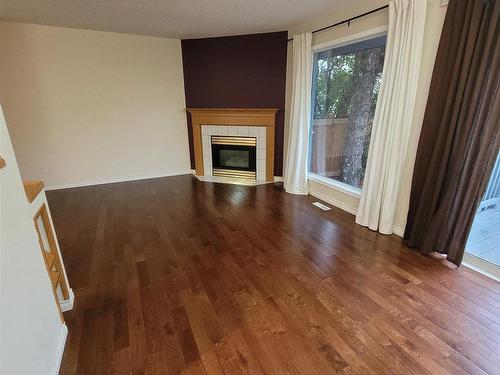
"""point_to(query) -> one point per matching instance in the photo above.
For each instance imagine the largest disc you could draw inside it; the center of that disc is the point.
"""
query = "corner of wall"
(61, 343)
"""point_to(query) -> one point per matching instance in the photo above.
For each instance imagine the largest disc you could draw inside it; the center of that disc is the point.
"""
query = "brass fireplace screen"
(234, 156)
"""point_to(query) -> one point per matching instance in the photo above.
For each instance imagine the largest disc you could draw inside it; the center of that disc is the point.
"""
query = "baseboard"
(482, 266)
(61, 342)
(333, 201)
(276, 178)
(115, 180)
(352, 210)
(398, 231)
(68, 304)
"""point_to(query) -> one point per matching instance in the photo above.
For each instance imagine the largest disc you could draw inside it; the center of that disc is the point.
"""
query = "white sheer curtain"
(393, 115)
(295, 173)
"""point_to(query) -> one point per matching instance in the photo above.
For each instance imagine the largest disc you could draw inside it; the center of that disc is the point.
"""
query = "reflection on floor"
(484, 237)
(178, 276)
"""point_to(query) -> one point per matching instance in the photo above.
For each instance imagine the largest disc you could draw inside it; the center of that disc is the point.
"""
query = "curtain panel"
(393, 115)
(460, 135)
(295, 172)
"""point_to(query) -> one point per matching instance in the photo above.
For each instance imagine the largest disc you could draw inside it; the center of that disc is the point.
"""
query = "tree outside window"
(346, 84)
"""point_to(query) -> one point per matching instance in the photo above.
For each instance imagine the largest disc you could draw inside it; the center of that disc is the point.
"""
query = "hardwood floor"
(175, 275)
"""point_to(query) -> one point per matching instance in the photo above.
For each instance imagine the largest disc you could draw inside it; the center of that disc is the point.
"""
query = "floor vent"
(322, 206)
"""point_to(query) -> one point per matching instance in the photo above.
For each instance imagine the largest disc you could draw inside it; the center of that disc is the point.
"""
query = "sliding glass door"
(483, 244)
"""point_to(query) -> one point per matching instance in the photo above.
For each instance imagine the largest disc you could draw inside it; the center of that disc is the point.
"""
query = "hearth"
(234, 122)
(234, 156)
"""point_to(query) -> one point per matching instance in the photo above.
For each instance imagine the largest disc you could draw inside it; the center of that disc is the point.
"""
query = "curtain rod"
(348, 21)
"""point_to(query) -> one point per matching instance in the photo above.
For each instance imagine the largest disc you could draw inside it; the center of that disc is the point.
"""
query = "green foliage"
(335, 81)
(347, 86)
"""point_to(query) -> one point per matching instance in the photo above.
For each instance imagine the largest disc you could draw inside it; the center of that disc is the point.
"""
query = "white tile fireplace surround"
(257, 123)
(258, 132)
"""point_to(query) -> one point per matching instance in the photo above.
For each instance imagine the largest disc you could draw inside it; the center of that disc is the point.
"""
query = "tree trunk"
(328, 99)
(345, 96)
(368, 66)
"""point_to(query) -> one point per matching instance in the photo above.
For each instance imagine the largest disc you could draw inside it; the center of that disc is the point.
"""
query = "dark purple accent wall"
(245, 71)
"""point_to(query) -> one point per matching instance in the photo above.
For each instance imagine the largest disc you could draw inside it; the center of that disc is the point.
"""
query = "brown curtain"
(460, 135)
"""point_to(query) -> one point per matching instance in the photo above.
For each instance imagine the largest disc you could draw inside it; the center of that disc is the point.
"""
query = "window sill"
(339, 186)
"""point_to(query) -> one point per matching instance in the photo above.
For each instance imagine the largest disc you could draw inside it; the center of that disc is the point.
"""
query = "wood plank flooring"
(174, 275)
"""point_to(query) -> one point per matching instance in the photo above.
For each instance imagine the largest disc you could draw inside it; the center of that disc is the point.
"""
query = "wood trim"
(226, 111)
(32, 189)
(2, 163)
(51, 257)
(270, 153)
(234, 117)
(198, 148)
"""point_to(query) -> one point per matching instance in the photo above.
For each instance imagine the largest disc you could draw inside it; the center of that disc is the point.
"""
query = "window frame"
(335, 43)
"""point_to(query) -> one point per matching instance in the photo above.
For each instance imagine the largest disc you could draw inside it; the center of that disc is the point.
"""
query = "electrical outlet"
(47, 169)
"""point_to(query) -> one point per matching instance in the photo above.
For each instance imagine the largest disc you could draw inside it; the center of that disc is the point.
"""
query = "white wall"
(30, 328)
(86, 106)
(434, 24)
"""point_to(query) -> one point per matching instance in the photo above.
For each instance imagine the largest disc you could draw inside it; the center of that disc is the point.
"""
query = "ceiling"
(169, 18)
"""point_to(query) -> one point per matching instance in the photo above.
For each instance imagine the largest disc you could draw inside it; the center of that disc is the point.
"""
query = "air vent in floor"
(322, 206)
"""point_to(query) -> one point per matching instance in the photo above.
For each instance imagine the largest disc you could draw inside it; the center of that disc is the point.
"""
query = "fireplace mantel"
(233, 117)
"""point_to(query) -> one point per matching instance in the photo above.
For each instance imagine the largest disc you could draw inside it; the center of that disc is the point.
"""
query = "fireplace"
(234, 156)
(235, 123)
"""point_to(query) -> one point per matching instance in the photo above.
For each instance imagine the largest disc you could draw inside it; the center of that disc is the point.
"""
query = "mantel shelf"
(236, 110)
(234, 117)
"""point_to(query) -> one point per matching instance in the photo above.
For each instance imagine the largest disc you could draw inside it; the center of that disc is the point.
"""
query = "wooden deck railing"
(491, 198)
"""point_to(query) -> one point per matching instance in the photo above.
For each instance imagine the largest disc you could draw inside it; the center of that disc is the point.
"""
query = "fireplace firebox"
(234, 156)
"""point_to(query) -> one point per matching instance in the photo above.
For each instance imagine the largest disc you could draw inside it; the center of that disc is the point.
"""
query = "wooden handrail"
(32, 189)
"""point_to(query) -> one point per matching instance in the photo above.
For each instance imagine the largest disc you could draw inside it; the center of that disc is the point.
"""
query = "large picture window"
(346, 82)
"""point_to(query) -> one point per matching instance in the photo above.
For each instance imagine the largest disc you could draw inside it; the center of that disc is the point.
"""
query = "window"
(346, 82)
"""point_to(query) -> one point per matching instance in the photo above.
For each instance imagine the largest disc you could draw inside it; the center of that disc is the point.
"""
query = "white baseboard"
(114, 180)
(68, 304)
(61, 342)
(482, 266)
(333, 201)
(352, 210)
(398, 231)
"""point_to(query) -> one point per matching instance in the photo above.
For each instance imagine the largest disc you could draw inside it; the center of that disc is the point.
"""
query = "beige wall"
(31, 332)
(86, 107)
(434, 24)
